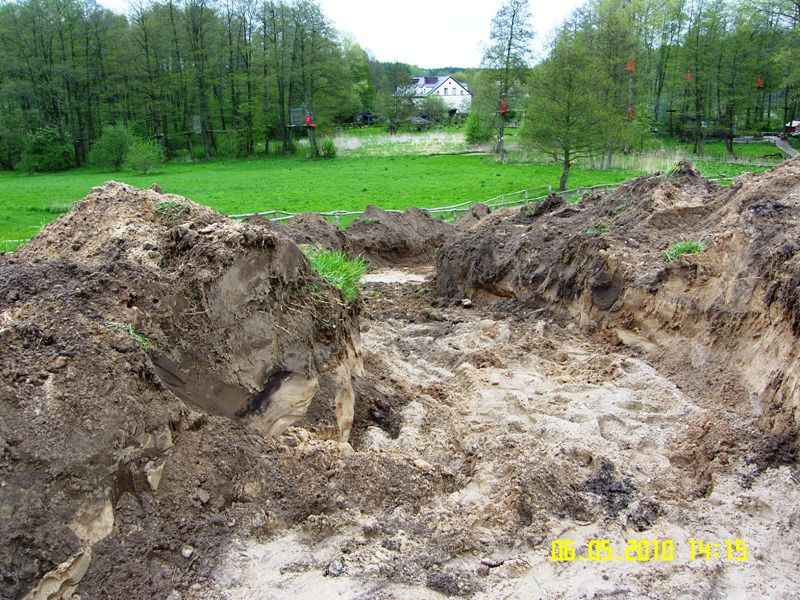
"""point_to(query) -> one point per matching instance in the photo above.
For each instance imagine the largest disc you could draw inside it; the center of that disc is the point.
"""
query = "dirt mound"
(475, 213)
(702, 317)
(141, 332)
(392, 238)
(316, 230)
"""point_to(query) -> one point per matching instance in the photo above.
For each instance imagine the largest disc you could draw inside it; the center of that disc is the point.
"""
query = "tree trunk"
(312, 141)
(565, 171)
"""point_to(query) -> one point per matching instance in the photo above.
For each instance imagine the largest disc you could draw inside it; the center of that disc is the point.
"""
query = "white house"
(454, 94)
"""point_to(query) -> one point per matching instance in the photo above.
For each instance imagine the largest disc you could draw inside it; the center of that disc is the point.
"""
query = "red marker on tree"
(760, 83)
(503, 106)
(630, 66)
(689, 76)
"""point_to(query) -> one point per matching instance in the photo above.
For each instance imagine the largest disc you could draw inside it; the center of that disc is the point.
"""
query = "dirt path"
(541, 433)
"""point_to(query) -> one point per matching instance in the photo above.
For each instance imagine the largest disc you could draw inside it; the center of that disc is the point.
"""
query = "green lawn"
(755, 151)
(296, 184)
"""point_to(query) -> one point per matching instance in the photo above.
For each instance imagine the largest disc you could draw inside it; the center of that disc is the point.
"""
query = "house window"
(445, 91)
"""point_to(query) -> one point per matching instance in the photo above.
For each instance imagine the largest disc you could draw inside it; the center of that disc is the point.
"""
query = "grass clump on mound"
(338, 270)
(678, 249)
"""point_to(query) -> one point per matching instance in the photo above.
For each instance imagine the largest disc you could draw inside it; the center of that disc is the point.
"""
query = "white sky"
(428, 33)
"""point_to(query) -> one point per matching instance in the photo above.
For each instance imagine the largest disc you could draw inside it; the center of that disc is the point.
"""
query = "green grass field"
(757, 151)
(27, 202)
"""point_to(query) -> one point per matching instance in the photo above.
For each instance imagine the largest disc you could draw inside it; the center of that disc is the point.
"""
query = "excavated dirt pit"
(544, 434)
(188, 412)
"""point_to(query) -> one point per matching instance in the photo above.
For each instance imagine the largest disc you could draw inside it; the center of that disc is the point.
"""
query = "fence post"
(526, 197)
(338, 223)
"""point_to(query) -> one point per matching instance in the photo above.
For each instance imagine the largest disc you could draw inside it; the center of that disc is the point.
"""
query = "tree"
(565, 117)
(110, 149)
(395, 95)
(507, 58)
(432, 108)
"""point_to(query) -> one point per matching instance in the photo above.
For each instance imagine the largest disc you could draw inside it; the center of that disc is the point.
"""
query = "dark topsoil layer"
(141, 335)
(382, 237)
(723, 323)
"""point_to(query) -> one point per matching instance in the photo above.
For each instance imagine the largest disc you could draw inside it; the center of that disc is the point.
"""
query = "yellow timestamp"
(602, 550)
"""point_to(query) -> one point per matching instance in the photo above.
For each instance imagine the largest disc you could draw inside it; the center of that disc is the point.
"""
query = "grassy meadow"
(390, 174)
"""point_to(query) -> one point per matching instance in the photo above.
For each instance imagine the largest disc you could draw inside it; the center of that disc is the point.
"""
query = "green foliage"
(338, 270)
(566, 113)
(478, 128)
(328, 148)
(110, 149)
(144, 157)
(12, 135)
(44, 151)
(432, 108)
(145, 345)
(228, 145)
(678, 249)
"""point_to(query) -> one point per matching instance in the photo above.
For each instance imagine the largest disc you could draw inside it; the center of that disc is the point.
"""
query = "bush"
(328, 148)
(144, 157)
(227, 143)
(44, 151)
(111, 148)
(478, 129)
(11, 141)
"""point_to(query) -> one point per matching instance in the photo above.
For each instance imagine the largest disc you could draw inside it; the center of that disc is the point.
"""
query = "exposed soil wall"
(382, 237)
(724, 321)
(130, 322)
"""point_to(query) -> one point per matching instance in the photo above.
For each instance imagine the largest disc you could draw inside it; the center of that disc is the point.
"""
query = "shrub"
(11, 142)
(338, 270)
(110, 149)
(678, 249)
(227, 143)
(478, 129)
(328, 148)
(144, 157)
(43, 151)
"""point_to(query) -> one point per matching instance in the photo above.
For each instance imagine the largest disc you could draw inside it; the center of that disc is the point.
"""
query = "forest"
(199, 78)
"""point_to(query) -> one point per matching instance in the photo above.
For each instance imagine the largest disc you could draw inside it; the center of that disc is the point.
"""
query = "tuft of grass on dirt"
(338, 270)
(145, 345)
(681, 248)
(597, 228)
(58, 207)
(170, 207)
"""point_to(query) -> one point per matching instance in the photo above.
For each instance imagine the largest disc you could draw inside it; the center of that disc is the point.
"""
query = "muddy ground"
(551, 377)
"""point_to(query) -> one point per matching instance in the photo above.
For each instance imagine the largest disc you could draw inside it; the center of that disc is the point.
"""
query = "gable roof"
(430, 83)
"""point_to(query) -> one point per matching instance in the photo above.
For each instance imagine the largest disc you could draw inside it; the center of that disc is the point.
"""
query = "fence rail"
(447, 212)
(503, 200)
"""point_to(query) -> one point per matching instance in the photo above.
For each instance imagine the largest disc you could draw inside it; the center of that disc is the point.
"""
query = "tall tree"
(507, 57)
(564, 119)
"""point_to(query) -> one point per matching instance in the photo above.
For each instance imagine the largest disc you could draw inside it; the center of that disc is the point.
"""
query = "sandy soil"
(548, 435)
(188, 412)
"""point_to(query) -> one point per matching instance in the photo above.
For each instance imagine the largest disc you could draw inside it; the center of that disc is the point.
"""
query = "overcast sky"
(428, 33)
